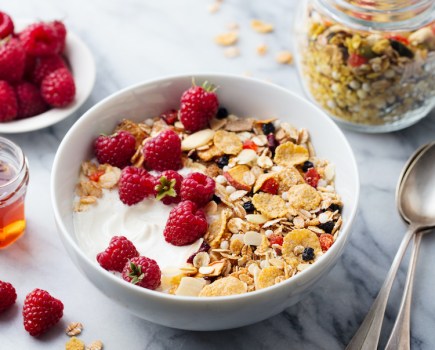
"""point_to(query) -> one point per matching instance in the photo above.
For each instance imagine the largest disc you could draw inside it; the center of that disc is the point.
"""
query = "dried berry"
(249, 207)
(268, 128)
(272, 142)
(308, 254)
(334, 207)
(204, 247)
(327, 226)
(223, 161)
(222, 113)
(216, 199)
(401, 48)
(307, 165)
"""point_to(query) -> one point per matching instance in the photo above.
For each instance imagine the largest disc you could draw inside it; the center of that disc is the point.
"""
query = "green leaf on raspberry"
(209, 87)
(165, 188)
(136, 273)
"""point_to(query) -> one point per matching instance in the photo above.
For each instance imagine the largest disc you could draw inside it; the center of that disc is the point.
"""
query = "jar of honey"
(14, 177)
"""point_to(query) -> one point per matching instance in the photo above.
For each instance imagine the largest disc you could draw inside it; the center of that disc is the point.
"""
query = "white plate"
(82, 66)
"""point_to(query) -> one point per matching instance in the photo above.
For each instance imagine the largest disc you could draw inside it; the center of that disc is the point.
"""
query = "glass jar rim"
(22, 163)
(420, 14)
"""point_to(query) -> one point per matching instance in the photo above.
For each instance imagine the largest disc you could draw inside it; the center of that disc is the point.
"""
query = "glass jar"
(369, 64)
(14, 177)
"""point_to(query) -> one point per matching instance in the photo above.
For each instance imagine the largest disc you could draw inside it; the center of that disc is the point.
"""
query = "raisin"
(333, 207)
(249, 207)
(216, 199)
(307, 165)
(223, 161)
(401, 48)
(268, 128)
(327, 226)
(308, 254)
(222, 113)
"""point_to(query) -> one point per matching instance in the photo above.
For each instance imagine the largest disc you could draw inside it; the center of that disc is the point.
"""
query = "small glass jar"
(369, 64)
(14, 177)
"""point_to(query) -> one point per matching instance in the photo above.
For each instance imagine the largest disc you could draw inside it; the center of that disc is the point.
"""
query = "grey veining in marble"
(135, 40)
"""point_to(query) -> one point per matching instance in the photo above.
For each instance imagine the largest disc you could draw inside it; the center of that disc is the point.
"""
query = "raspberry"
(312, 177)
(8, 102)
(198, 188)
(12, 60)
(185, 224)
(8, 295)
(6, 25)
(198, 106)
(163, 152)
(170, 117)
(270, 186)
(42, 39)
(248, 144)
(44, 66)
(275, 239)
(41, 312)
(116, 255)
(143, 272)
(30, 101)
(116, 149)
(326, 241)
(168, 187)
(60, 29)
(58, 88)
(135, 184)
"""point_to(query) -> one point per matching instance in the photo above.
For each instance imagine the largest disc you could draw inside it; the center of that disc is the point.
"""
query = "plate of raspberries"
(46, 73)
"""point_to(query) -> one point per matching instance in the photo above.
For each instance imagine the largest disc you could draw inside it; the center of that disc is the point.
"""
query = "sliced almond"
(190, 286)
(197, 139)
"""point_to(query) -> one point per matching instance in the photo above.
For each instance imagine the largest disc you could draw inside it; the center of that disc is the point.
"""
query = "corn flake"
(217, 229)
(289, 177)
(299, 237)
(267, 276)
(224, 286)
(289, 154)
(270, 205)
(227, 142)
(210, 153)
(304, 196)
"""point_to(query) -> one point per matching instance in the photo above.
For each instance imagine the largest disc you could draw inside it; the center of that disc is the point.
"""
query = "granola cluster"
(275, 209)
(367, 77)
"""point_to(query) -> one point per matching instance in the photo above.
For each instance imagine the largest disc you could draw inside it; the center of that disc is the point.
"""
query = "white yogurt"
(142, 223)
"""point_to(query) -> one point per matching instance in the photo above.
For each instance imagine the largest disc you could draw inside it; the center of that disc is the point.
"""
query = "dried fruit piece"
(299, 237)
(224, 286)
(267, 276)
(326, 240)
(288, 154)
(304, 196)
(236, 177)
(312, 177)
(269, 205)
(227, 142)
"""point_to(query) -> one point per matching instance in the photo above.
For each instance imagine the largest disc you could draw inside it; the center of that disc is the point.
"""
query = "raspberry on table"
(41, 311)
(135, 184)
(8, 102)
(116, 255)
(198, 188)
(143, 272)
(30, 101)
(163, 152)
(6, 25)
(8, 295)
(44, 66)
(42, 39)
(199, 104)
(58, 88)
(186, 224)
(12, 60)
(168, 187)
(116, 149)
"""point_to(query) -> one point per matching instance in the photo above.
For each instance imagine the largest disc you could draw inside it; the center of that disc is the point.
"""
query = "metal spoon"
(417, 192)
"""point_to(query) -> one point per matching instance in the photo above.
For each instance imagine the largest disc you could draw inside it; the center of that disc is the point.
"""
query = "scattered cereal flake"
(224, 286)
(262, 49)
(288, 177)
(270, 205)
(216, 124)
(74, 328)
(262, 179)
(110, 178)
(284, 57)
(261, 27)
(217, 228)
(232, 52)
(304, 196)
(190, 286)
(74, 344)
(243, 124)
(226, 39)
(209, 154)
(267, 276)
(299, 237)
(95, 345)
(227, 142)
(197, 139)
(289, 154)
(134, 129)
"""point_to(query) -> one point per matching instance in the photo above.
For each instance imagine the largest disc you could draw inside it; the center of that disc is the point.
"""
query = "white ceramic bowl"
(244, 97)
(83, 68)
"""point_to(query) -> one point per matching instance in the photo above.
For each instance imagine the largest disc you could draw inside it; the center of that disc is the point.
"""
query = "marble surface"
(136, 40)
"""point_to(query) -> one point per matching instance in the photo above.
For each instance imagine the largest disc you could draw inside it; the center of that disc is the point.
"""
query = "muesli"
(268, 202)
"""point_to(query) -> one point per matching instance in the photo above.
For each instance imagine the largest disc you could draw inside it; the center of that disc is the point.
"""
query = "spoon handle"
(400, 335)
(367, 335)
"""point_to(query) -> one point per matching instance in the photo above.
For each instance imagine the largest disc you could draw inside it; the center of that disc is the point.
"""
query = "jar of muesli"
(369, 64)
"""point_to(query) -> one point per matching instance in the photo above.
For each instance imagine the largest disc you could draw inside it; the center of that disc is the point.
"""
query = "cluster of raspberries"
(34, 76)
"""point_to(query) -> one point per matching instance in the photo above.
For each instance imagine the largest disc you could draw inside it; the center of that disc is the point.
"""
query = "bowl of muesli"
(206, 203)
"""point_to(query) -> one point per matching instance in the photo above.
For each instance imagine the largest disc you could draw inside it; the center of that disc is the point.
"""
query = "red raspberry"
(60, 29)
(275, 239)
(270, 186)
(12, 60)
(248, 144)
(198, 106)
(41, 312)
(185, 224)
(6, 25)
(44, 66)
(198, 188)
(58, 88)
(42, 39)
(8, 102)
(168, 187)
(326, 241)
(163, 152)
(312, 177)
(116, 255)
(143, 272)
(116, 149)
(8, 295)
(135, 184)
(170, 117)
(30, 101)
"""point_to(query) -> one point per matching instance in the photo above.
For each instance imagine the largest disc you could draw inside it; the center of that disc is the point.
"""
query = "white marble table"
(136, 40)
